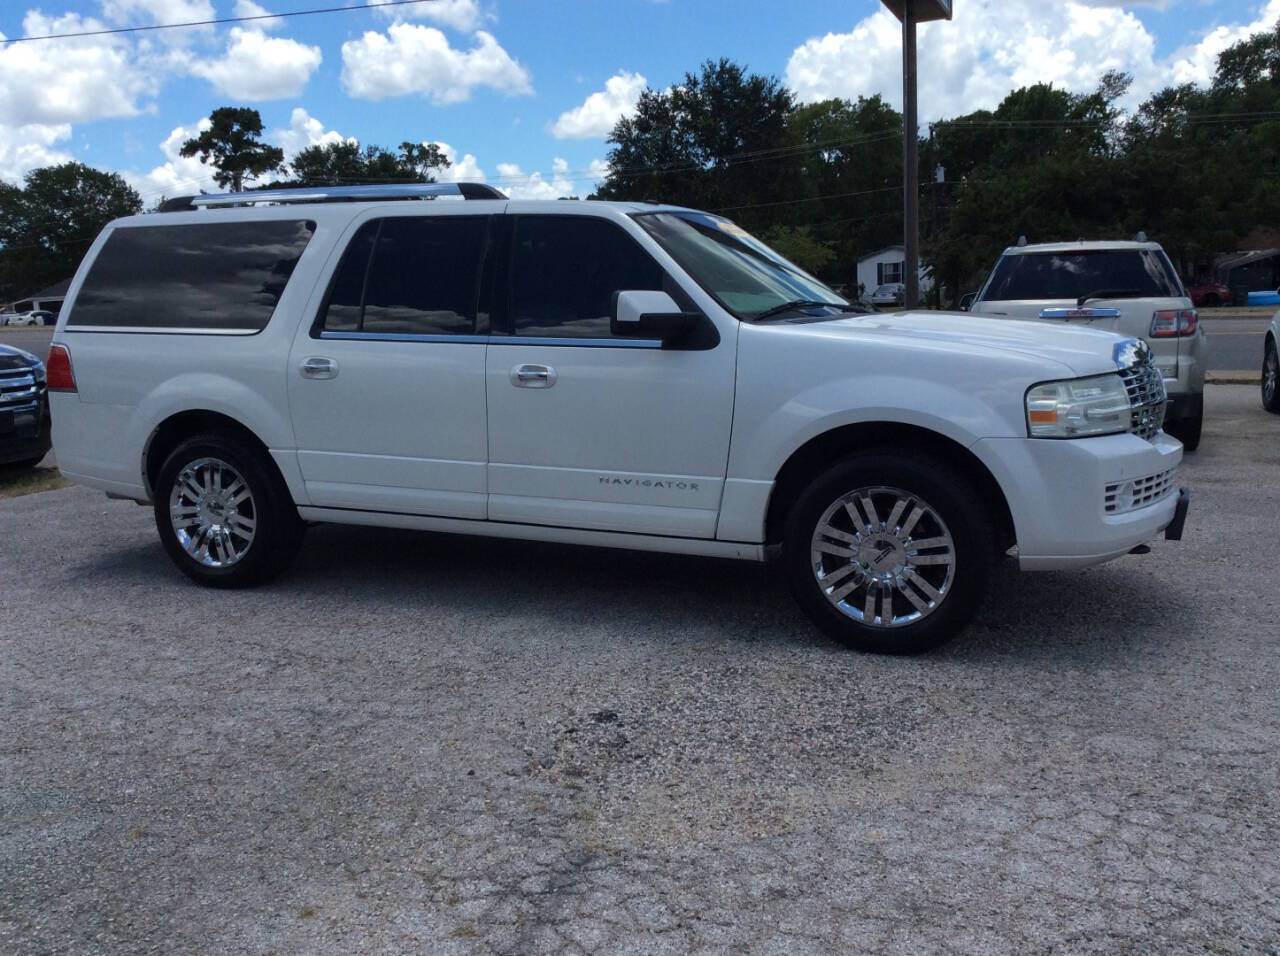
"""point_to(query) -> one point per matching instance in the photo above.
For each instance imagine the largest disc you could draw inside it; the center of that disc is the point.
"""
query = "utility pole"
(912, 12)
(910, 160)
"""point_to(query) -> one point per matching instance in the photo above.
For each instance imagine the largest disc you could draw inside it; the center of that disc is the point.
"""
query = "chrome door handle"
(319, 368)
(533, 376)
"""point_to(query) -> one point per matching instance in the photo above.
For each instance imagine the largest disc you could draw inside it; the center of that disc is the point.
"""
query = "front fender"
(762, 445)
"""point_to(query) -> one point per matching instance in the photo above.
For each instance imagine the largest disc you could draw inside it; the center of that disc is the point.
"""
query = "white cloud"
(991, 48)
(463, 15)
(596, 117)
(464, 170)
(86, 78)
(247, 8)
(411, 58)
(178, 175)
(1198, 63)
(304, 130)
(24, 148)
(518, 184)
(258, 67)
(136, 12)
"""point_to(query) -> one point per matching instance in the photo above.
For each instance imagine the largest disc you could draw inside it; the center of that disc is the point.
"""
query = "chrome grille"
(17, 387)
(1125, 496)
(1147, 399)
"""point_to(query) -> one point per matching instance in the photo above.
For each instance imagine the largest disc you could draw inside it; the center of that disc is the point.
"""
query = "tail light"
(1174, 323)
(58, 373)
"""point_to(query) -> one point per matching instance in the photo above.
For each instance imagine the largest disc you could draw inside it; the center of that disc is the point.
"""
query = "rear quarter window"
(1145, 273)
(218, 276)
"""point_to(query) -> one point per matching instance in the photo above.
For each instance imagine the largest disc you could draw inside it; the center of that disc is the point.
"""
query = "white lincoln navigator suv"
(627, 375)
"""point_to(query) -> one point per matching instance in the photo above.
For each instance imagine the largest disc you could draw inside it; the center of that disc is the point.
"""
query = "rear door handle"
(533, 376)
(316, 367)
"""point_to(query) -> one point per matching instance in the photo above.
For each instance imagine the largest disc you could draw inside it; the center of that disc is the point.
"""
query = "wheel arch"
(831, 446)
(177, 428)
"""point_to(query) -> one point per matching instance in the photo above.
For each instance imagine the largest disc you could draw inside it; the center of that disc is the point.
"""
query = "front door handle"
(316, 367)
(533, 376)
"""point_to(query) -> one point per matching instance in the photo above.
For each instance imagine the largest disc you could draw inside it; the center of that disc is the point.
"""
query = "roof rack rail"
(349, 194)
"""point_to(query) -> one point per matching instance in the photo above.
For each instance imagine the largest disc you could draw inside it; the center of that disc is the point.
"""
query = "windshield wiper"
(803, 304)
(1109, 294)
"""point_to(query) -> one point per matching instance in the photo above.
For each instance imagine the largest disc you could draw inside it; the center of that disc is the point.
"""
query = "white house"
(887, 266)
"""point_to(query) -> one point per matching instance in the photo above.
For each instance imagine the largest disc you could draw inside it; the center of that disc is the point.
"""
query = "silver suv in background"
(1126, 287)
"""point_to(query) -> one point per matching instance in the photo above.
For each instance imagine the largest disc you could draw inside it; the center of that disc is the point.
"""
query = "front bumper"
(1067, 512)
(24, 432)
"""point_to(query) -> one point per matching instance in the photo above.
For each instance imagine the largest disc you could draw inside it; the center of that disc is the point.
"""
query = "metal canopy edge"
(925, 10)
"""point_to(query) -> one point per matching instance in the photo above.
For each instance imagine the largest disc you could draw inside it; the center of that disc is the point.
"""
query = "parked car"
(1271, 366)
(1208, 293)
(24, 409)
(890, 294)
(30, 318)
(625, 375)
(1130, 288)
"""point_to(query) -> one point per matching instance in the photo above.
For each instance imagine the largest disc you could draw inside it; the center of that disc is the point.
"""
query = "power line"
(220, 20)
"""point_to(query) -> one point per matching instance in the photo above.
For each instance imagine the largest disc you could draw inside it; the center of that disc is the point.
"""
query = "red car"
(1207, 293)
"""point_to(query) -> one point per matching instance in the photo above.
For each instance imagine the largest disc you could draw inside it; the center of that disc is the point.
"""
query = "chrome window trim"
(585, 343)
(159, 330)
(401, 337)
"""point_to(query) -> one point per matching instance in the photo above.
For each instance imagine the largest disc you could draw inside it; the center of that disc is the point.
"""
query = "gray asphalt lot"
(432, 743)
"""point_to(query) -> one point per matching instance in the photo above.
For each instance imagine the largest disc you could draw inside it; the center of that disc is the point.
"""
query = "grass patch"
(16, 482)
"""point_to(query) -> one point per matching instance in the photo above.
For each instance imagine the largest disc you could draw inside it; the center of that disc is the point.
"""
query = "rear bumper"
(1058, 495)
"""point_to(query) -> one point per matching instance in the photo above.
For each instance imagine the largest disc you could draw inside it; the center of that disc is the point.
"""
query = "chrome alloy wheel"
(1270, 372)
(212, 512)
(883, 557)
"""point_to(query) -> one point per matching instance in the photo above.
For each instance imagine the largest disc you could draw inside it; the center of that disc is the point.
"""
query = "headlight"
(38, 369)
(1078, 408)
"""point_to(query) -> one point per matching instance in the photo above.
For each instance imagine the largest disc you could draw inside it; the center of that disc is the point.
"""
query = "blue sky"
(522, 91)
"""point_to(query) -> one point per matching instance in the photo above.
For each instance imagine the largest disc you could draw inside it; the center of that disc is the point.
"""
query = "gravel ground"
(419, 742)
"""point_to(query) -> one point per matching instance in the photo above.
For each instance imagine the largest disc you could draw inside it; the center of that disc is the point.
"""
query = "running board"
(701, 547)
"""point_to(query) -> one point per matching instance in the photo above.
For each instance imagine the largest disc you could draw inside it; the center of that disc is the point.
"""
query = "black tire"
(277, 529)
(1271, 385)
(949, 497)
(1187, 431)
(26, 464)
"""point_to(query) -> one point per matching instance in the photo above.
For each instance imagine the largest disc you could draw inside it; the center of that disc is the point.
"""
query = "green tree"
(718, 139)
(347, 163)
(48, 223)
(232, 145)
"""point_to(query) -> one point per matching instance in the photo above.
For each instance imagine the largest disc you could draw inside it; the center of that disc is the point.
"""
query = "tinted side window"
(424, 276)
(224, 276)
(565, 270)
(342, 314)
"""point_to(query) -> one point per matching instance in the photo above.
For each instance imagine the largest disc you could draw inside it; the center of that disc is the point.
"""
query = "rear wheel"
(1270, 374)
(224, 515)
(889, 553)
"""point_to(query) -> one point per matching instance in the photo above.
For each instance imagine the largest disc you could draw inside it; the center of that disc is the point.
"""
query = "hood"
(12, 358)
(1084, 351)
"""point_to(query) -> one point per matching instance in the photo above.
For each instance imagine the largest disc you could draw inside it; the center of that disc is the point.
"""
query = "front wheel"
(1270, 373)
(889, 553)
(224, 514)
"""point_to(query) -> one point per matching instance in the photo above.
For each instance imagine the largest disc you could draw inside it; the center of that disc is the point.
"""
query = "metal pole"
(910, 159)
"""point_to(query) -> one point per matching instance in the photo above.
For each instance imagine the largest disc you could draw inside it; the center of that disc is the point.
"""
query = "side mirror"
(648, 315)
(966, 301)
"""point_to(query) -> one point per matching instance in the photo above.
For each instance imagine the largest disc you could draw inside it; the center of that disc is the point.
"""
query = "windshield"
(741, 272)
(1142, 273)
